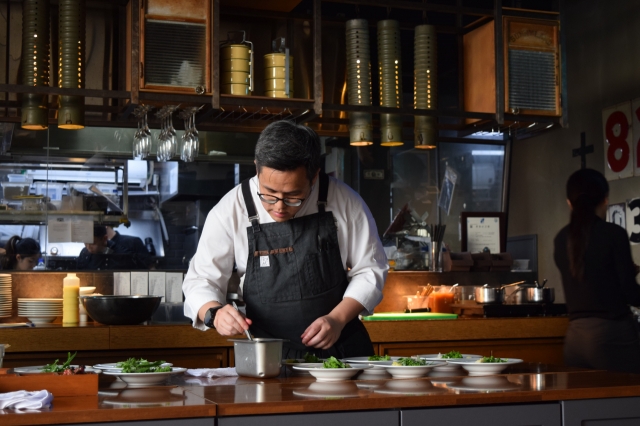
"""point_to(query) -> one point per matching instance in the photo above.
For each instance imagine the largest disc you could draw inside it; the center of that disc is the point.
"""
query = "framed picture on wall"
(480, 231)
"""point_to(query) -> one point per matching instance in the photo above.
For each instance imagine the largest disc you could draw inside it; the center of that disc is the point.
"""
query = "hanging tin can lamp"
(425, 86)
(71, 52)
(359, 81)
(35, 63)
(390, 72)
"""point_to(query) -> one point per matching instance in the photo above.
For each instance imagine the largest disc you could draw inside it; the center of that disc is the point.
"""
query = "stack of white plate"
(40, 310)
(5, 295)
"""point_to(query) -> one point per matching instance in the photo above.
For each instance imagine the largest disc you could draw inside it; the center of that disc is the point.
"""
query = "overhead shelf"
(40, 217)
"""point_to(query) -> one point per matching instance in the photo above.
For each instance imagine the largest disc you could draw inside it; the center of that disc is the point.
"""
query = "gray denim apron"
(294, 276)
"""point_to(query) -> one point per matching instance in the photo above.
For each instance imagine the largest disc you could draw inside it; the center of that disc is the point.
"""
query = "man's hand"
(229, 322)
(325, 331)
(322, 333)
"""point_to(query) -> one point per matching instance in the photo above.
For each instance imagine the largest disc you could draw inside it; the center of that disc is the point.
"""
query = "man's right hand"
(229, 322)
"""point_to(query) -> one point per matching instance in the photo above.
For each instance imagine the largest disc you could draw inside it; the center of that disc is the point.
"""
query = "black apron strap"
(323, 190)
(251, 207)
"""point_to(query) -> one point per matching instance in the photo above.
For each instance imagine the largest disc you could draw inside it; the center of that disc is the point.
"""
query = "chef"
(306, 248)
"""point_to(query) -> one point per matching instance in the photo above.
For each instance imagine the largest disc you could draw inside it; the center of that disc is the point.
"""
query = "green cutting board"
(417, 316)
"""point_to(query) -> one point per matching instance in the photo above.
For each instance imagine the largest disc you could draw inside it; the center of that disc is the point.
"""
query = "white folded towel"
(26, 400)
(212, 381)
(211, 372)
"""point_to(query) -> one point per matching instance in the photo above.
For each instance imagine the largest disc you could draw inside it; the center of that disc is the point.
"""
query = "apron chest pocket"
(277, 276)
(322, 272)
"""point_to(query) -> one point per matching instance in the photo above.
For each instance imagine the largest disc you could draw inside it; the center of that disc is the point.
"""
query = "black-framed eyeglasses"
(272, 199)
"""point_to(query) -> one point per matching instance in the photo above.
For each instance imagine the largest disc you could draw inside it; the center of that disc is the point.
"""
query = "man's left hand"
(322, 333)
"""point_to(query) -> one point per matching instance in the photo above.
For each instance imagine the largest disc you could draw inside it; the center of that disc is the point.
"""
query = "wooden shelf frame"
(237, 113)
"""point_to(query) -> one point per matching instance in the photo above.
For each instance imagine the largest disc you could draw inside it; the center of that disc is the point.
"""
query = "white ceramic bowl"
(144, 379)
(377, 367)
(486, 368)
(448, 366)
(332, 374)
(289, 365)
(411, 371)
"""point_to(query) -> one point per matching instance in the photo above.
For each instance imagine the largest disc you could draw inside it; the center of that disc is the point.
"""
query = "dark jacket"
(609, 285)
(127, 256)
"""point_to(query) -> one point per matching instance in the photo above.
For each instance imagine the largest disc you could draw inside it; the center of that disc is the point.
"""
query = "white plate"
(484, 384)
(377, 366)
(365, 360)
(37, 369)
(438, 357)
(114, 366)
(448, 366)
(290, 366)
(410, 371)
(41, 320)
(409, 387)
(332, 390)
(39, 299)
(486, 368)
(332, 374)
(144, 379)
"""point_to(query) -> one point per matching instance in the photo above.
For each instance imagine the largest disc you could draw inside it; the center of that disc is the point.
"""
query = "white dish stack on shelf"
(5, 295)
(40, 311)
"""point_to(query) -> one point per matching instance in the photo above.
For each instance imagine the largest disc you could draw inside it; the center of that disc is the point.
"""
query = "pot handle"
(513, 294)
(512, 284)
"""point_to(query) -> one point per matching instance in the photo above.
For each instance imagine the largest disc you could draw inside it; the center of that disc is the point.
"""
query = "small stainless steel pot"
(487, 295)
(538, 295)
(261, 358)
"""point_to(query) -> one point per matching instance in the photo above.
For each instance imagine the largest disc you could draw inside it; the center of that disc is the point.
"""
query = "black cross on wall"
(583, 150)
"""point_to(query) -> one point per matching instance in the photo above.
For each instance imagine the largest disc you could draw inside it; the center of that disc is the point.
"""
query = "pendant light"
(359, 81)
(424, 86)
(35, 63)
(71, 52)
(390, 72)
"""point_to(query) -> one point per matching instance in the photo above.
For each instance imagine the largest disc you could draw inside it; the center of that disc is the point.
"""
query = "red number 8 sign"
(618, 141)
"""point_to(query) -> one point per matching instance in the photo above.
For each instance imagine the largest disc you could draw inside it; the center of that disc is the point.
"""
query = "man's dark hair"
(285, 145)
(99, 230)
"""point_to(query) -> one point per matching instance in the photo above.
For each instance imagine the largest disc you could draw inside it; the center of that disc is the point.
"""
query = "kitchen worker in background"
(21, 254)
(305, 245)
(599, 280)
(129, 244)
(103, 254)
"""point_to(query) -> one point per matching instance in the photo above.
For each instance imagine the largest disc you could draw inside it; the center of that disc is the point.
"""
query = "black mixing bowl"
(120, 310)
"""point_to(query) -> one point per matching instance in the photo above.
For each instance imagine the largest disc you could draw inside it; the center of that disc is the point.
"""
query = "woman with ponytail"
(21, 254)
(599, 280)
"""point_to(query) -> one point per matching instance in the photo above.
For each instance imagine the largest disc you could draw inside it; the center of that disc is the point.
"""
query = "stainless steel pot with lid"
(532, 293)
(491, 295)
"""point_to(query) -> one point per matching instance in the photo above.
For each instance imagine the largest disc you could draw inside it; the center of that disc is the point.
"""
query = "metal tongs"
(247, 330)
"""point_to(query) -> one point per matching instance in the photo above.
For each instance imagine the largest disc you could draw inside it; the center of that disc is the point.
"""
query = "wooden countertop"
(93, 336)
(186, 397)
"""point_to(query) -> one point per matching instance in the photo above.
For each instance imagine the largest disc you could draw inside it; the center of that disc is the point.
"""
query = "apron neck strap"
(254, 218)
(323, 190)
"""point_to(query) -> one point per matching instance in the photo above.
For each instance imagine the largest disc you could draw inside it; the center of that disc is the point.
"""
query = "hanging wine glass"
(190, 141)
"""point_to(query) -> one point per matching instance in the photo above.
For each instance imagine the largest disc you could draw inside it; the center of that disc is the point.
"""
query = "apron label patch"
(264, 261)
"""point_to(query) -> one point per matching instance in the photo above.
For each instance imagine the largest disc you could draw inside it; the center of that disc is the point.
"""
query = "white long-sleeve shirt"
(224, 240)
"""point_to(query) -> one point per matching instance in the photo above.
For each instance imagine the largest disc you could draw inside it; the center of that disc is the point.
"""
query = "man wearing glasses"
(305, 245)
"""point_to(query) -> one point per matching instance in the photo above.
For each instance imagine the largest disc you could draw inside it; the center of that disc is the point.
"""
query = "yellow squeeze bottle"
(70, 295)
